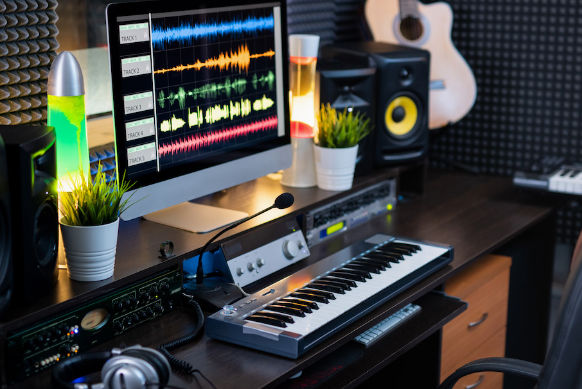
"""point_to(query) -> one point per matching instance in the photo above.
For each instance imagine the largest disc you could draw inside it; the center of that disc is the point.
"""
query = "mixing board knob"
(65, 349)
(240, 271)
(127, 303)
(165, 287)
(118, 326)
(158, 309)
(118, 307)
(290, 249)
(251, 266)
(57, 332)
(38, 340)
(154, 292)
(260, 262)
(144, 296)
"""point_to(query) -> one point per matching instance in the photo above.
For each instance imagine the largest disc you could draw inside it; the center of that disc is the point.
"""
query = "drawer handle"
(476, 323)
(481, 379)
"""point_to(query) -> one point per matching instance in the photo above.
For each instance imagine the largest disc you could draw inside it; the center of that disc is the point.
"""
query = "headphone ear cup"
(78, 366)
(138, 362)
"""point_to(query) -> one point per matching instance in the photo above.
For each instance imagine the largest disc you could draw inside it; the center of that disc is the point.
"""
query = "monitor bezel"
(117, 10)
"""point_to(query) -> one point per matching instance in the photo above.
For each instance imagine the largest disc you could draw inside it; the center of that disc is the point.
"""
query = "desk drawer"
(485, 316)
(494, 347)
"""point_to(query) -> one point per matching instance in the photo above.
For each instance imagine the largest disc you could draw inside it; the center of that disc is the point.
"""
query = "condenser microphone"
(212, 294)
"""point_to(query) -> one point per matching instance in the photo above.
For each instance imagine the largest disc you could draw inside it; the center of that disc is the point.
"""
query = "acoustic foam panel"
(27, 48)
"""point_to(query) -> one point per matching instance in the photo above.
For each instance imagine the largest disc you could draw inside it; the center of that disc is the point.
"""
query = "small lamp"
(303, 58)
(66, 113)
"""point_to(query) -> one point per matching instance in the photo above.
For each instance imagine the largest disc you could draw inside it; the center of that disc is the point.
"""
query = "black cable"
(163, 348)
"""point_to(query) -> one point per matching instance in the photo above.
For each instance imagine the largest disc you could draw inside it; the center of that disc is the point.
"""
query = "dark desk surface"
(475, 214)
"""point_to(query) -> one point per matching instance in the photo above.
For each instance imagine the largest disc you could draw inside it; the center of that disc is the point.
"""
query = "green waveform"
(213, 90)
(269, 78)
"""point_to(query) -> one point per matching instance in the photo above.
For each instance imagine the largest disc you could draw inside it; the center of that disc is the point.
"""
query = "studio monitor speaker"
(402, 84)
(31, 156)
(6, 274)
(349, 83)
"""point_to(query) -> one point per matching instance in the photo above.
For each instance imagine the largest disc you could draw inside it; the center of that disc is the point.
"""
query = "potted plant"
(336, 146)
(90, 223)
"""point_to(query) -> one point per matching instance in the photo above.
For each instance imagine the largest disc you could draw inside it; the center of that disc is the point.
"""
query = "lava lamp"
(303, 60)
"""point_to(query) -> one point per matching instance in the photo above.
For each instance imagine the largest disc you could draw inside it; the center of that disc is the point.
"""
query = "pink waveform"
(196, 142)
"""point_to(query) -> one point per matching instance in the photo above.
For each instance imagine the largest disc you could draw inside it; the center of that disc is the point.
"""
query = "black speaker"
(402, 84)
(349, 83)
(31, 156)
(6, 274)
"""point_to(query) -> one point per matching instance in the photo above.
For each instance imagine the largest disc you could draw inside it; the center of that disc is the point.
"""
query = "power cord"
(180, 364)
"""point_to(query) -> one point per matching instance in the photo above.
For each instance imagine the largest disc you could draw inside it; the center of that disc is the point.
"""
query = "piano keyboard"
(566, 180)
(293, 315)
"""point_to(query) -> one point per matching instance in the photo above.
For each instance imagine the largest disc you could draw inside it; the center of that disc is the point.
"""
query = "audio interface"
(264, 251)
(341, 215)
(36, 347)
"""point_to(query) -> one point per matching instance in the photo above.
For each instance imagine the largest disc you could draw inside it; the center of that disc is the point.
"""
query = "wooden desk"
(477, 215)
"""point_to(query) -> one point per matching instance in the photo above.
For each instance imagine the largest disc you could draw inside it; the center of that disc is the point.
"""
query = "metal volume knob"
(290, 249)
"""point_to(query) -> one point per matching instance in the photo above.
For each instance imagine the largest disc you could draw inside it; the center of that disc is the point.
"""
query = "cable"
(163, 348)
(241, 290)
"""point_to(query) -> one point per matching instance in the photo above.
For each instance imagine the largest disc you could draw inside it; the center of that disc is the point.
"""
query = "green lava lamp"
(66, 113)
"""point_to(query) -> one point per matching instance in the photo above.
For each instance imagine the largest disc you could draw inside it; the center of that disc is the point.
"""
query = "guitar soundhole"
(411, 28)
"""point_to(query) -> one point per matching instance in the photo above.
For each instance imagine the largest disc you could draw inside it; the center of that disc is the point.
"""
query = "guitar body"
(453, 88)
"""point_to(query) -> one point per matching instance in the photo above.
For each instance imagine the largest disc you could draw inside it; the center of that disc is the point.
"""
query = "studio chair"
(563, 364)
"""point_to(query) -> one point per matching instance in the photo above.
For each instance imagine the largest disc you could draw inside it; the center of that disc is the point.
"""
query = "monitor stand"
(196, 218)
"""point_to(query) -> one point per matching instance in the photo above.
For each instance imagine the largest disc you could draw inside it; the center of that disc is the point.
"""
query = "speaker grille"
(27, 48)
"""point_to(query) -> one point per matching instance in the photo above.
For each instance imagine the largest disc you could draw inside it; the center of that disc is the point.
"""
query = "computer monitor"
(200, 102)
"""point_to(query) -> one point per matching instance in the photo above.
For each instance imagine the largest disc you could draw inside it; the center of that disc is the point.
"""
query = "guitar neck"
(408, 8)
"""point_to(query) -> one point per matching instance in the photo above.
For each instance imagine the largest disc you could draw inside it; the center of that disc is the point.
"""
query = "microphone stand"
(214, 294)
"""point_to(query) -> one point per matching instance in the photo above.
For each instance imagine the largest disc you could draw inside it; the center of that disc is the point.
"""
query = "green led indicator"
(389, 207)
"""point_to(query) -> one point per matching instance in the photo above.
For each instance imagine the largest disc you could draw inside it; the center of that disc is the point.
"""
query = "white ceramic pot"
(90, 250)
(335, 167)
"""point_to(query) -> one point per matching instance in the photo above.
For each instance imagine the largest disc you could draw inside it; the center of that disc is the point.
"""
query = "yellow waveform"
(195, 118)
(263, 104)
(240, 60)
(216, 113)
(237, 109)
(172, 124)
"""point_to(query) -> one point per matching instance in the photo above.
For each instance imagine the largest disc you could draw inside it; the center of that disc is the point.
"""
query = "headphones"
(135, 367)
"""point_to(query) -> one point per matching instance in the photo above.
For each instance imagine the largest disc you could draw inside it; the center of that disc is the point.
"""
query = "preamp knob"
(290, 249)
(251, 266)
(154, 291)
(158, 309)
(240, 271)
(260, 262)
(118, 326)
(65, 348)
(144, 296)
(165, 287)
(57, 332)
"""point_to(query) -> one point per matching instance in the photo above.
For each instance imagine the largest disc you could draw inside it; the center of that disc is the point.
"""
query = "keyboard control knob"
(290, 249)
(240, 271)
(260, 262)
(251, 266)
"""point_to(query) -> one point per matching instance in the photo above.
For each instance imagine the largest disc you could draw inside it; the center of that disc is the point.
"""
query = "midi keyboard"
(293, 315)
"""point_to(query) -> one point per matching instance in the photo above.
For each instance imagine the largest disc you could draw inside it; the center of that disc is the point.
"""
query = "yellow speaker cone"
(401, 115)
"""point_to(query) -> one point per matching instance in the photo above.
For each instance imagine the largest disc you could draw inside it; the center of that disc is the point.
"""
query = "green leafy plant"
(94, 202)
(340, 129)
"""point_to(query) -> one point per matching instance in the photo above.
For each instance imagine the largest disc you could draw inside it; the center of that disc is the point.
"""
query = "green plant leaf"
(340, 129)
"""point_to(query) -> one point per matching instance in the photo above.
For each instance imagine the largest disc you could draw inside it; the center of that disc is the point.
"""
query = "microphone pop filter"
(284, 200)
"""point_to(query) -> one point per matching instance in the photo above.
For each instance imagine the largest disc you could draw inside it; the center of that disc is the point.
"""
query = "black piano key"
(379, 265)
(322, 293)
(326, 287)
(302, 307)
(398, 250)
(394, 258)
(338, 284)
(347, 275)
(267, 320)
(363, 273)
(286, 310)
(349, 283)
(413, 247)
(311, 297)
(278, 316)
(576, 172)
(364, 267)
(384, 261)
(308, 303)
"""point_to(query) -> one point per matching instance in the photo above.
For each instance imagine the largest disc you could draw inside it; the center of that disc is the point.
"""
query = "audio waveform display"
(269, 78)
(172, 124)
(239, 60)
(198, 141)
(238, 85)
(263, 104)
(187, 32)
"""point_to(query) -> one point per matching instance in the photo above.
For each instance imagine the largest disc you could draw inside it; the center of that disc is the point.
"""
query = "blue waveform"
(186, 32)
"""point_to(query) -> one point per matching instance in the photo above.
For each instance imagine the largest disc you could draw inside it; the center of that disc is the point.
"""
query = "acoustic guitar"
(453, 89)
